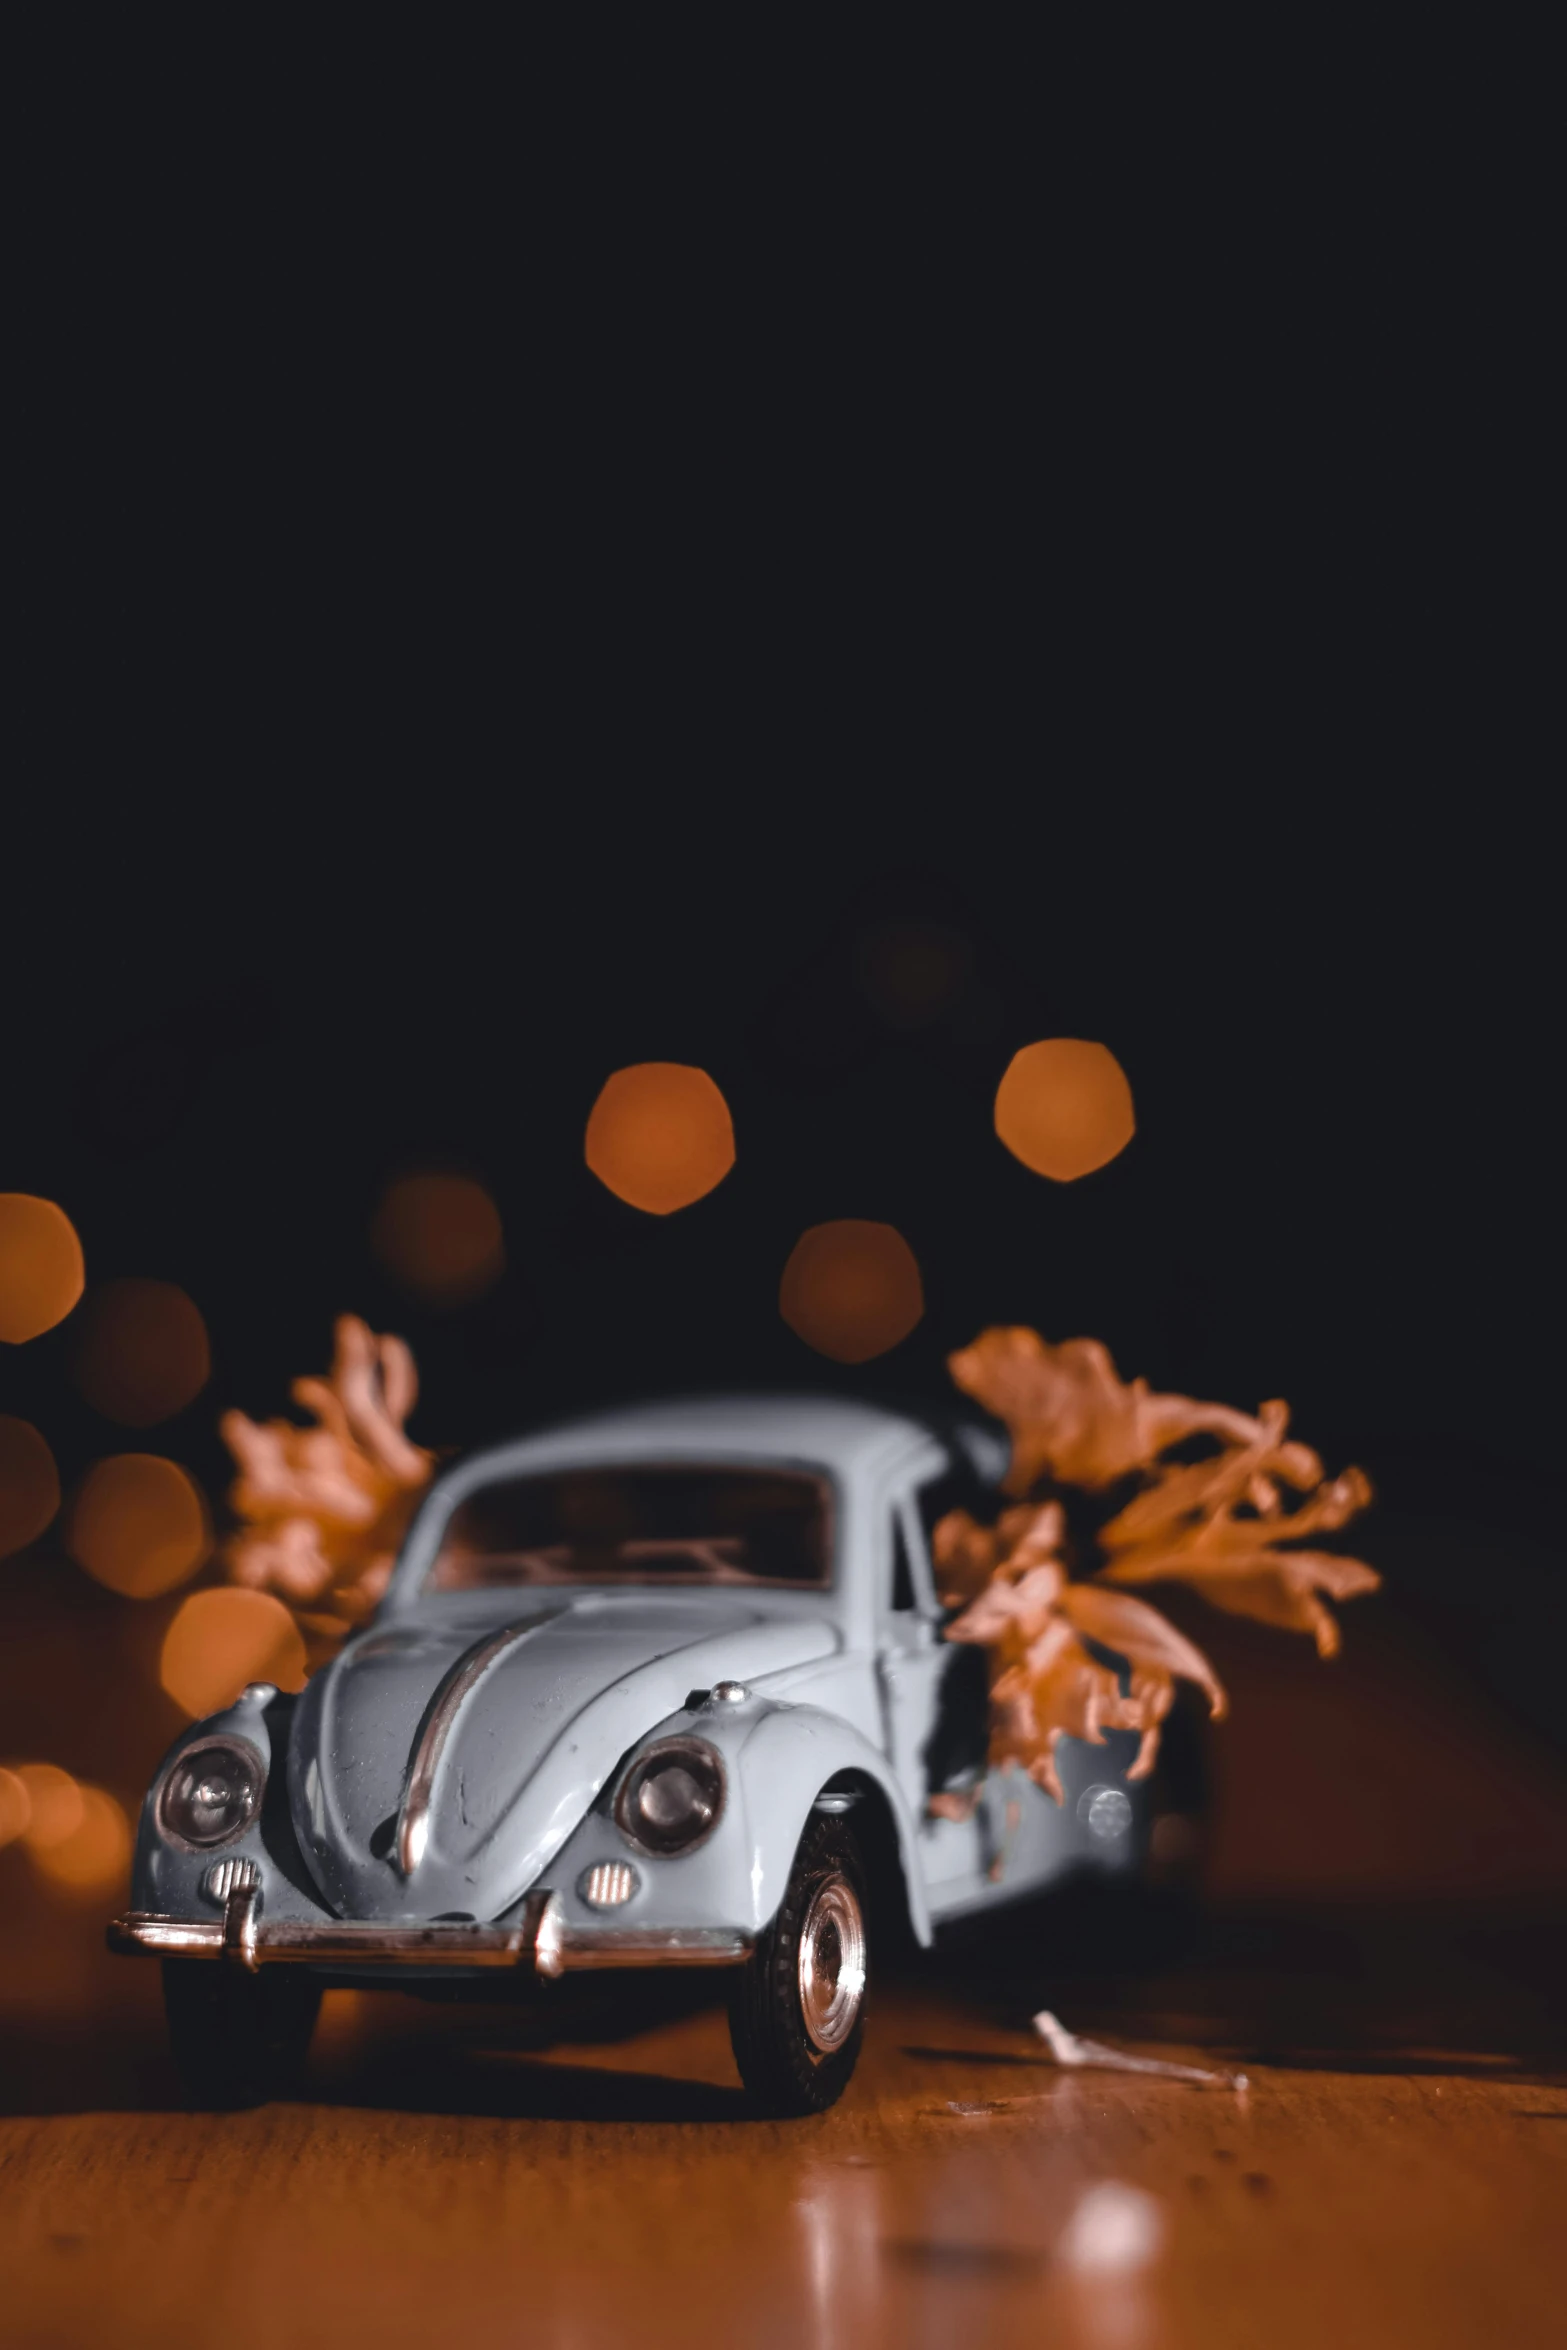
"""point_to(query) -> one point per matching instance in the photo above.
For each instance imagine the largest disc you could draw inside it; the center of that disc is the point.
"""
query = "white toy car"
(658, 1688)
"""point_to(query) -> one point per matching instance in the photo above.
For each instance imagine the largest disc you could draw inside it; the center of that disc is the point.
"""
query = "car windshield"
(650, 1525)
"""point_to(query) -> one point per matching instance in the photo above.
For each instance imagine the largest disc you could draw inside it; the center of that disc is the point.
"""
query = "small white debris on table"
(1068, 2049)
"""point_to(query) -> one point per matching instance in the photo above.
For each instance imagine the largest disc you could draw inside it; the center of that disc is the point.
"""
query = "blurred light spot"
(29, 1484)
(1114, 2229)
(41, 1269)
(851, 1289)
(660, 1136)
(910, 971)
(221, 1639)
(16, 1808)
(54, 1803)
(139, 1525)
(1064, 1107)
(97, 1852)
(142, 1351)
(440, 1236)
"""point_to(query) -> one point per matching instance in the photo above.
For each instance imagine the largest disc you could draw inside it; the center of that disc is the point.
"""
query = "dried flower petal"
(1141, 1635)
(325, 1507)
(1069, 1414)
(964, 1553)
(1218, 1525)
(1020, 1606)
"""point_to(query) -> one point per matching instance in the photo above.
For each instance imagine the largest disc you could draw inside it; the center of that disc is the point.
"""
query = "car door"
(936, 1696)
(934, 1702)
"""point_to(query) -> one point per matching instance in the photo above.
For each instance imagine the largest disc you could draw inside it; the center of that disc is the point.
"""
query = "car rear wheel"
(797, 2009)
(237, 2038)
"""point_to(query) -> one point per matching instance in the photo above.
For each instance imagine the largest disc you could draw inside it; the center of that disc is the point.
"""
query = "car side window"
(911, 1592)
(903, 1600)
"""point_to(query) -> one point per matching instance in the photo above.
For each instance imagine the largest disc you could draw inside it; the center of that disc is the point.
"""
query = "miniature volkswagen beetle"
(658, 1688)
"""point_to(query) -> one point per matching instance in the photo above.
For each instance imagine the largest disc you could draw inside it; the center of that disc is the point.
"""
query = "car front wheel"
(237, 2038)
(797, 2010)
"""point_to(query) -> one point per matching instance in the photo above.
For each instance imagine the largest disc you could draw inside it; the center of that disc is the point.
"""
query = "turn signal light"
(608, 1884)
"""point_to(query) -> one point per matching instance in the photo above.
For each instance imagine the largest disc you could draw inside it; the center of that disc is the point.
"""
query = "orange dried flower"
(1071, 1417)
(325, 1508)
(1217, 1524)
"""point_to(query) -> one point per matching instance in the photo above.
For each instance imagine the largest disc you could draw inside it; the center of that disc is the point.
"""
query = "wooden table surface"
(1395, 2173)
(1386, 1958)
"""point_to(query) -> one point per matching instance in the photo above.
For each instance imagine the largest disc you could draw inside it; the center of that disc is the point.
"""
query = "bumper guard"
(541, 1942)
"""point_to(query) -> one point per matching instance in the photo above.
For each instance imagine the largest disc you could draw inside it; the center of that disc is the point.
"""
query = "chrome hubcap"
(832, 1963)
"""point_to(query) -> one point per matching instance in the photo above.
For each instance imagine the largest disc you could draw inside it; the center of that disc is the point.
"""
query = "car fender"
(166, 1876)
(784, 1764)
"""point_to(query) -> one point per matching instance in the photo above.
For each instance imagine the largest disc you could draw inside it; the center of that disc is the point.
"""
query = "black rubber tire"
(236, 2038)
(783, 2071)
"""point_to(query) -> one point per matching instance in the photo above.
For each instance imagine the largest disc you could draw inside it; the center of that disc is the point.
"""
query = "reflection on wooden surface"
(441, 2173)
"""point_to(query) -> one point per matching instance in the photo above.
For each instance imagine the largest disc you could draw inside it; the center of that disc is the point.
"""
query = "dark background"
(1343, 1078)
(233, 1020)
(482, 618)
(520, 563)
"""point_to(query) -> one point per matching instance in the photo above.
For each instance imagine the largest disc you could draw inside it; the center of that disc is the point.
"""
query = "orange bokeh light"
(1064, 1107)
(54, 1805)
(851, 1289)
(29, 1484)
(222, 1638)
(142, 1353)
(96, 1854)
(41, 1268)
(16, 1809)
(440, 1236)
(139, 1525)
(660, 1136)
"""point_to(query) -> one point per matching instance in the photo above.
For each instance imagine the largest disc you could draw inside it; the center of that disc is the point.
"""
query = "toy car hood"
(439, 1763)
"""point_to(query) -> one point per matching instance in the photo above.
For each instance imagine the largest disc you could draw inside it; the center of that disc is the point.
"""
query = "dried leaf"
(284, 1556)
(1069, 1414)
(1220, 1525)
(1019, 1607)
(1144, 1708)
(964, 1553)
(1269, 1599)
(357, 1377)
(1141, 1635)
(1058, 1692)
(1205, 1487)
(1237, 1569)
(324, 1508)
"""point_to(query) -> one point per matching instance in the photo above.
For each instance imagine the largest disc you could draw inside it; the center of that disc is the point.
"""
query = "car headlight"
(212, 1793)
(672, 1796)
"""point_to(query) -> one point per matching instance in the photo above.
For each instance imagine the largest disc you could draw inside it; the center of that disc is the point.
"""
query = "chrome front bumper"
(541, 1942)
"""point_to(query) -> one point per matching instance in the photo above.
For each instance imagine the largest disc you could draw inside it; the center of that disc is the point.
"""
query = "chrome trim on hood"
(413, 1826)
(532, 1743)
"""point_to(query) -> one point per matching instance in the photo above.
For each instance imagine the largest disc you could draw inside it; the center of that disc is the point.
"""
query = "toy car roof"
(840, 1434)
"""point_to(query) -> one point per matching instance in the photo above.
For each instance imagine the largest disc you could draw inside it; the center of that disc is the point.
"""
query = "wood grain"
(1394, 2177)
(445, 2176)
